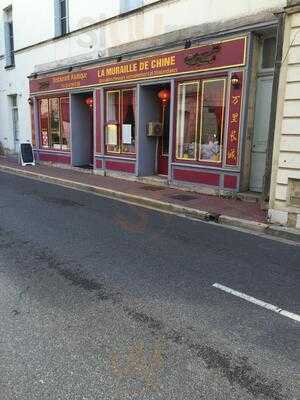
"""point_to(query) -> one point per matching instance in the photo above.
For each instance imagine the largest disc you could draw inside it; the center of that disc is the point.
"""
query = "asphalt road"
(103, 300)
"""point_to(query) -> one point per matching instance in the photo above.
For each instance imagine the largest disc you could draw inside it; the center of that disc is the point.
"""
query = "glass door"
(15, 121)
(163, 142)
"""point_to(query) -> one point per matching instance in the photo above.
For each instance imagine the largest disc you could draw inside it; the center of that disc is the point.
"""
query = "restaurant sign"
(225, 54)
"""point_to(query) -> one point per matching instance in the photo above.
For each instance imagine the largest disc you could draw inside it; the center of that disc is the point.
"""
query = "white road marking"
(261, 303)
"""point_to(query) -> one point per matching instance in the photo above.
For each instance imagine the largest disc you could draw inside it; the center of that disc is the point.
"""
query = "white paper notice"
(112, 135)
(126, 134)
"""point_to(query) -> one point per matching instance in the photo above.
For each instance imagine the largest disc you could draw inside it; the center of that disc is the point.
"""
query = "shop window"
(44, 122)
(120, 121)
(55, 123)
(200, 124)
(128, 121)
(65, 123)
(166, 131)
(212, 119)
(187, 120)
(33, 140)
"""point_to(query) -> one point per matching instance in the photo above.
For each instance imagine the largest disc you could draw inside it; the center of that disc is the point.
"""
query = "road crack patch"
(236, 370)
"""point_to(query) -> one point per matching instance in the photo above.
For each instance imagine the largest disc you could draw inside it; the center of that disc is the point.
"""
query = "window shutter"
(8, 54)
(57, 19)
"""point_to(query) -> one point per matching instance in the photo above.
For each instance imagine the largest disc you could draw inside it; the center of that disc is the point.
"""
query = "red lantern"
(164, 96)
(89, 102)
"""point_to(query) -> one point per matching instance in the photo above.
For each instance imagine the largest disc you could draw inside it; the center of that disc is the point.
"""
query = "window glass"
(268, 53)
(63, 16)
(113, 106)
(187, 117)
(128, 121)
(166, 131)
(63, 12)
(54, 123)
(65, 123)
(14, 100)
(212, 119)
(44, 119)
(63, 26)
(112, 121)
(128, 5)
(120, 121)
(33, 141)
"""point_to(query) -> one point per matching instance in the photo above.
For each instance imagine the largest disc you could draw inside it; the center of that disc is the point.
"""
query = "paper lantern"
(89, 102)
(164, 96)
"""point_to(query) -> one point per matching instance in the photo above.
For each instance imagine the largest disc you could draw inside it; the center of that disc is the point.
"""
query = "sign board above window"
(229, 53)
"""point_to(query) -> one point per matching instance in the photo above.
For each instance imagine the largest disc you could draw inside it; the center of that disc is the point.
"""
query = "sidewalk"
(233, 212)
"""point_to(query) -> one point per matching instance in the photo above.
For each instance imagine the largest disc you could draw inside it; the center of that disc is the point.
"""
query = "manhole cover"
(183, 197)
(152, 188)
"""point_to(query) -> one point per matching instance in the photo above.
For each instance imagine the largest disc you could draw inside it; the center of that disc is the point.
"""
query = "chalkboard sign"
(26, 154)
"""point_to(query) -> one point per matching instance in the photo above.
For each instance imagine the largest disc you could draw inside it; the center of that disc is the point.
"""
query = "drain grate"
(152, 188)
(183, 197)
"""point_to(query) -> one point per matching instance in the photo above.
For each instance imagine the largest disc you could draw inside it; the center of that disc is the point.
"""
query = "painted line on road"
(258, 302)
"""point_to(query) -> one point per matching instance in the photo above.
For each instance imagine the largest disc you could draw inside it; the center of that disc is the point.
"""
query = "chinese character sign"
(234, 124)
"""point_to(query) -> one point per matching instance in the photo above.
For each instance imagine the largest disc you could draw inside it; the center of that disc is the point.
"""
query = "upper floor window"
(9, 38)
(61, 17)
(128, 5)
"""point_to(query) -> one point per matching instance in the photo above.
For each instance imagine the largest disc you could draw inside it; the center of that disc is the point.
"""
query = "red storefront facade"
(177, 115)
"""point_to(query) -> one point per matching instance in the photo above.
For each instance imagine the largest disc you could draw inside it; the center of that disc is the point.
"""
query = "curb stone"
(161, 205)
(114, 194)
(282, 231)
(243, 223)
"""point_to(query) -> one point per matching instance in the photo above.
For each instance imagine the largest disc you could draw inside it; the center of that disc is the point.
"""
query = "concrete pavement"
(103, 300)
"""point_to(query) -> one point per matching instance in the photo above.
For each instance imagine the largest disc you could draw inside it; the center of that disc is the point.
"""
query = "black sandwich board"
(26, 154)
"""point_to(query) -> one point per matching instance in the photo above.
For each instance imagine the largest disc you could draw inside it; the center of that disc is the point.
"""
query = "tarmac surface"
(104, 300)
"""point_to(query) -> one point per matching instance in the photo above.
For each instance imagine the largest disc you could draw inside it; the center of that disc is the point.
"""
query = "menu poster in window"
(126, 134)
(45, 142)
(112, 135)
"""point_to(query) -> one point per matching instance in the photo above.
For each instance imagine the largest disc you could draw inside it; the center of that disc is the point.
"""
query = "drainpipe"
(270, 144)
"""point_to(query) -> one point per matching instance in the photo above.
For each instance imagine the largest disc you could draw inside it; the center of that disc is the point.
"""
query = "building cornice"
(172, 40)
(97, 24)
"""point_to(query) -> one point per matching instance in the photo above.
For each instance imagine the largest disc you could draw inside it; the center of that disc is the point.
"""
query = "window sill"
(8, 67)
(57, 37)
(128, 156)
(54, 150)
(197, 163)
